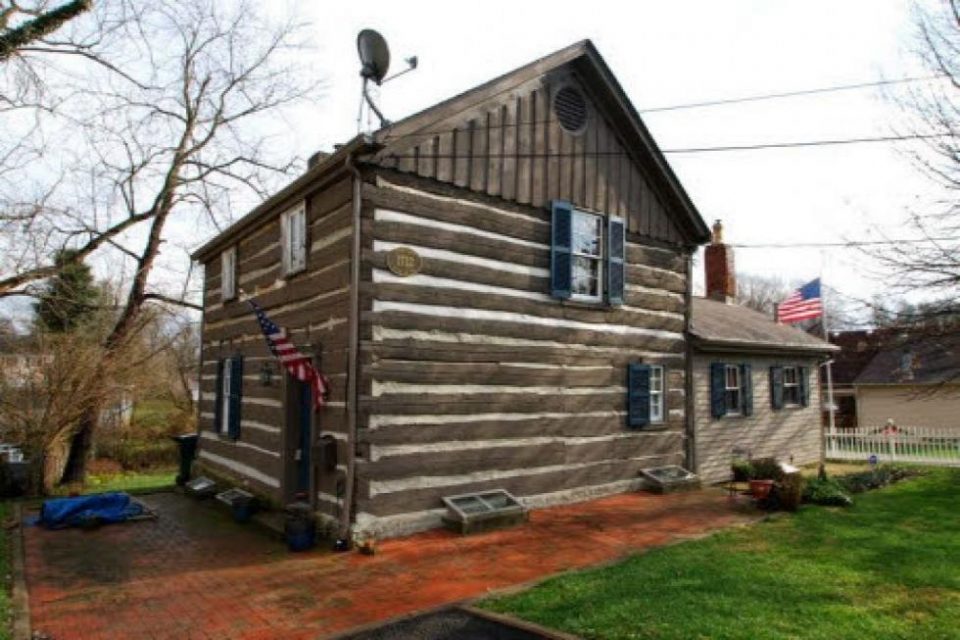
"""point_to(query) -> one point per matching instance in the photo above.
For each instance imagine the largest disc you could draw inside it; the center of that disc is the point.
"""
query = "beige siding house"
(912, 380)
(755, 382)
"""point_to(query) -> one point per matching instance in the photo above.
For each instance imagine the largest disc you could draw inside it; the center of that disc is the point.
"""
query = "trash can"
(187, 445)
(243, 508)
(300, 527)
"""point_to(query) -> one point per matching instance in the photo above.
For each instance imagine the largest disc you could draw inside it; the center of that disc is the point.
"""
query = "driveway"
(194, 573)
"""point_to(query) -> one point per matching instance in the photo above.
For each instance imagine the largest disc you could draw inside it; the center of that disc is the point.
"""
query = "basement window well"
(474, 512)
(670, 479)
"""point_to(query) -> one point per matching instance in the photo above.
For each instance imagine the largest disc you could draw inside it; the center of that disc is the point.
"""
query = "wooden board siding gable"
(504, 139)
(473, 377)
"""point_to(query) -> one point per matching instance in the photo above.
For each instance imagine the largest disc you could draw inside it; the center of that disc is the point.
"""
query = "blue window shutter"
(746, 389)
(718, 386)
(615, 259)
(561, 242)
(236, 393)
(776, 388)
(218, 402)
(804, 386)
(638, 395)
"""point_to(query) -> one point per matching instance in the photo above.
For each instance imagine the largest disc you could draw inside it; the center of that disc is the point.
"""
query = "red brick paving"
(193, 573)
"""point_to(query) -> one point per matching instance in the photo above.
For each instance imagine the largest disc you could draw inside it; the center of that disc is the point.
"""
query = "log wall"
(473, 377)
(313, 306)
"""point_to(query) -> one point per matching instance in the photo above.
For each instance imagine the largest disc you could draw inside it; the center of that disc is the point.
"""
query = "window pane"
(586, 280)
(733, 378)
(586, 234)
(733, 400)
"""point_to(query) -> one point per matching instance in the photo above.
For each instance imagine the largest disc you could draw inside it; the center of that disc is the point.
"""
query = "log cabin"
(498, 289)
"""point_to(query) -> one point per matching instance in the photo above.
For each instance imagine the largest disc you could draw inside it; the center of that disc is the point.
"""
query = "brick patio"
(193, 573)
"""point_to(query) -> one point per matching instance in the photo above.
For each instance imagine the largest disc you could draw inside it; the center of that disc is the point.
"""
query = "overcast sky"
(664, 54)
(671, 53)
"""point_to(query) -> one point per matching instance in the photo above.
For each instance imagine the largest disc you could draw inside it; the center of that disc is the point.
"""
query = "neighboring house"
(857, 349)
(755, 390)
(913, 380)
(498, 288)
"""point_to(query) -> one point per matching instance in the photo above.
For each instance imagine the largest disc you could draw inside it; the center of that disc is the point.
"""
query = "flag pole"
(830, 405)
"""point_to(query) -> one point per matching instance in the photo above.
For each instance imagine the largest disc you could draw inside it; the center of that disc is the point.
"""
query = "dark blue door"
(305, 407)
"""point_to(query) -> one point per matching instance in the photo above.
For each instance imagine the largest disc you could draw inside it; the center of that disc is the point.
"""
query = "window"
(228, 273)
(656, 393)
(293, 228)
(586, 255)
(226, 384)
(587, 250)
(732, 389)
(791, 386)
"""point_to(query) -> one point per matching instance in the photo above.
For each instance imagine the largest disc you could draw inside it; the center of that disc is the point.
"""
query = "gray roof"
(915, 359)
(717, 325)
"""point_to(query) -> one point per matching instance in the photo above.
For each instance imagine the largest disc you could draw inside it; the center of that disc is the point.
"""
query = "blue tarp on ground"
(101, 508)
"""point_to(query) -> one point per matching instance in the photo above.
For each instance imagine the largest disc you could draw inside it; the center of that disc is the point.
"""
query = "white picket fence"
(921, 445)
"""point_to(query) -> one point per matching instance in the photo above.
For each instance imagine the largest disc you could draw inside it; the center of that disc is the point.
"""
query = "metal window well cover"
(473, 512)
(201, 486)
(669, 479)
(233, 495)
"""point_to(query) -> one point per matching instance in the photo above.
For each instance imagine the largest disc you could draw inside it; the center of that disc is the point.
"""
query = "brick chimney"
(718, 260)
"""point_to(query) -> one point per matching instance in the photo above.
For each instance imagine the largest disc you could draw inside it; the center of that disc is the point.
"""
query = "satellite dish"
(374, 55)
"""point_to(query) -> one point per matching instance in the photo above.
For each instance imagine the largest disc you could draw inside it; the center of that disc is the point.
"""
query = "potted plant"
(766, 471)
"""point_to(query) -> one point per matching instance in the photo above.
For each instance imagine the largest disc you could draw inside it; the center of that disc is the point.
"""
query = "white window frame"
(225, 384)
(293, 232)
(736, 387)
(598, 258)
(228, 273)
(795, 384)
(657, 375)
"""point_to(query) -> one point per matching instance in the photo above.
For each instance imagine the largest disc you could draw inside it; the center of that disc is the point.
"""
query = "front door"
(297, 438)
(302, 455)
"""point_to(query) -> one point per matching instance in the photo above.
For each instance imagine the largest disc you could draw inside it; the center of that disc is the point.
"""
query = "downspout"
(688, 399)
(346, 514)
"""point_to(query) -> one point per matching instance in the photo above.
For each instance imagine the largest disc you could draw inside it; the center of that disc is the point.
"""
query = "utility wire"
(843, 245)
(595, 154)
(790, 94)
(691, 105)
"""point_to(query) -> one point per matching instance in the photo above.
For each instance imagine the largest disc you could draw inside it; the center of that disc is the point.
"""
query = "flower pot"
(760, 489)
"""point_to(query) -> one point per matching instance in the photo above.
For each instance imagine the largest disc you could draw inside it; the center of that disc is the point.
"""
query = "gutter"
(346, 514)
(688, 398)
(759, 348)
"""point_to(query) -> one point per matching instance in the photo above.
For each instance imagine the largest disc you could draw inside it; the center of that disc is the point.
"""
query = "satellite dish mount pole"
(373, 106)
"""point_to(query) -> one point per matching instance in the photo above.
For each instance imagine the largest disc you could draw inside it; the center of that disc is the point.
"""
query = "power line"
(693, 105)
(598, 154)
(843, 245)
(790, 94)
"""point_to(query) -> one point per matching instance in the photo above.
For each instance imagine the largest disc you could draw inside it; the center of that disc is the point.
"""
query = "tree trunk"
(81, 446)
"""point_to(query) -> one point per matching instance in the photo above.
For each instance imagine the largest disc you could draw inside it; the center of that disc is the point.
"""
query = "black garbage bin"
(188, 451)
(300, 527)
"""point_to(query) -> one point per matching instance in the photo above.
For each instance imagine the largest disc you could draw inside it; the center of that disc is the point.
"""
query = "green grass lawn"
(889, 567)
(129, 481)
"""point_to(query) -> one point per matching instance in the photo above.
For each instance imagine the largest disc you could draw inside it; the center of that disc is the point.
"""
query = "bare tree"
(932, 263)
(22, 24)
(182, 112)
(761, 293)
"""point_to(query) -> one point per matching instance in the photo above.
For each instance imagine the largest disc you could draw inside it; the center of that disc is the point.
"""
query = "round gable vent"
(570, 107)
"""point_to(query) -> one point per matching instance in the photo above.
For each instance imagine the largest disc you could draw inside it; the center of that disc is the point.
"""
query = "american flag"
(298, 365)
(803, 304)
